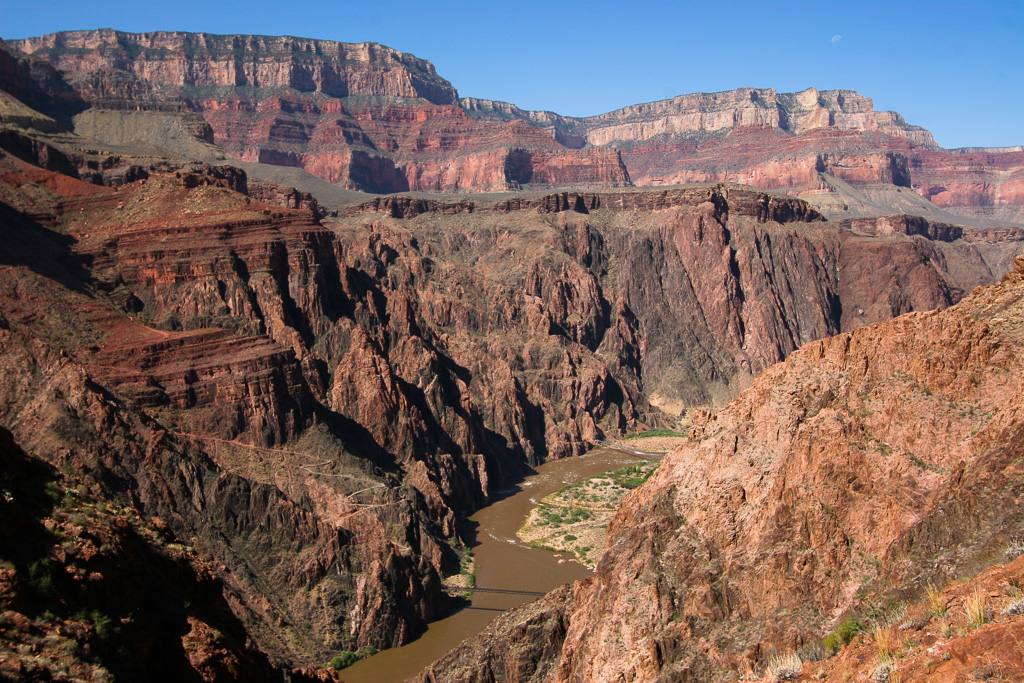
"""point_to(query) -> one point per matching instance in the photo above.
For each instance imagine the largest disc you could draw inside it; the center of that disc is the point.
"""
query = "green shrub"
(346, 659)
(653, 432)
(633, 476)
(40, 577)
(103, 624)
(843, 634)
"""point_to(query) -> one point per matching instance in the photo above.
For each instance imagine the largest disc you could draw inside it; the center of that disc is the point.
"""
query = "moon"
(836, 38)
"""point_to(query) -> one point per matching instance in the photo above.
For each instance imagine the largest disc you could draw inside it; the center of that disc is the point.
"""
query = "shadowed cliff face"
(89, 584)
(861, 469)
(315, 403)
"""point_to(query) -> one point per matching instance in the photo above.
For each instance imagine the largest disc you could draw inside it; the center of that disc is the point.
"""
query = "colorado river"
(502, 563)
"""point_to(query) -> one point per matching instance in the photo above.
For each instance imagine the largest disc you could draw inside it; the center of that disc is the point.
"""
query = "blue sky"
(952, 67)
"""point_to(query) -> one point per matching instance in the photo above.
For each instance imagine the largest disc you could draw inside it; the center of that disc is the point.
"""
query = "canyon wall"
(315, 403)
(162, 61)
(367, 117)
(363, 116)
(860, 470)
(312, 401)
(794, 142)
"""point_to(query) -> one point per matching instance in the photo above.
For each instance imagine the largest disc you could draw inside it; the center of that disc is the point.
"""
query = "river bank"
(574, 519)
(502, 562)
(655, 445)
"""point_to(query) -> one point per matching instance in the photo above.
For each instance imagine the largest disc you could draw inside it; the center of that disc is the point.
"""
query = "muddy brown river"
(502, 563)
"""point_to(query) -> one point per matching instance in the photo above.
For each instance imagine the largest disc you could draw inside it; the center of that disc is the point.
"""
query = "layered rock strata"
(367, 117)
(316, 403)
(287, 531)
(167, 60)
(363, 116)
(796, 142)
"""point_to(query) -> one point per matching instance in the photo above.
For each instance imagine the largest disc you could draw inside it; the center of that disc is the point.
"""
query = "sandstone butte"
(284, 412)
(370, 118)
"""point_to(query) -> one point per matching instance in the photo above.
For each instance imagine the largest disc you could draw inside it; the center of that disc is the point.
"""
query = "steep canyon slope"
(851, 476)
(296, 407)
(314, 403)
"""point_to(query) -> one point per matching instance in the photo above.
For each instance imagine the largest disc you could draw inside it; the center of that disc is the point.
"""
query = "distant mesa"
(370, 118)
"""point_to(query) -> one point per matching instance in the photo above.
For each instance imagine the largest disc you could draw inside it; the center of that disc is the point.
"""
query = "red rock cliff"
(368, 117)
(360, 115)
(789, 141)
(167, 61)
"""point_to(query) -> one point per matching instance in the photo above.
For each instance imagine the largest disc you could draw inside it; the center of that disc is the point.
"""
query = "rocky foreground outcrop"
(852, 475)
(76, 569)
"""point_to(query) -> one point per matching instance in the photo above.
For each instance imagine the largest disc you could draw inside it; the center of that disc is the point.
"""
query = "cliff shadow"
(46, 252)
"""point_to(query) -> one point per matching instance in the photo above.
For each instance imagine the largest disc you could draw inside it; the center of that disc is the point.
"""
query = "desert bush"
(1015, 608)
(784, 667)
(41, 578)
(653, 432)
(843, 634)
(974, 610)
(936, 603)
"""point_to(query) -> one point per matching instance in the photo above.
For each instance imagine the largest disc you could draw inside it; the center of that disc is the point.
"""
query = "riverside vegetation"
(575, 518)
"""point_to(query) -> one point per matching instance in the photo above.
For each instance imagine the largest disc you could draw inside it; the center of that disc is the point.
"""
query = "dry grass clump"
(974, 610)
(887, 643)
(936, 603)
(1015, 608)
(784, 667)
(894, 616)
(1015, 549)
(813, 652)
